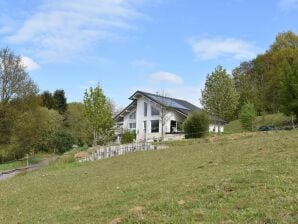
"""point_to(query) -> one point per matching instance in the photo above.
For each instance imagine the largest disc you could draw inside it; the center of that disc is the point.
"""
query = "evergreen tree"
(59, 101)
(248, 116)
(47, 100)
(219, 97)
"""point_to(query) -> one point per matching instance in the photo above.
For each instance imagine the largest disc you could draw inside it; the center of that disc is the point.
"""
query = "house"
(152, 116)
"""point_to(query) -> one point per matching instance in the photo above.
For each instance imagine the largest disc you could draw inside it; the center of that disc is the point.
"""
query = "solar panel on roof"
(167, 102)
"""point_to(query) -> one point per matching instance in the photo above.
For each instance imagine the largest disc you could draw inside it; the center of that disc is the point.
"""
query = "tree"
(99, 114)
(47, 100)
(219, 97)
(15, 83)
(59, 101)
(248, 116)
(128, 137)
(196, 125)
(289, 89)
(163, 113)
(78, 124)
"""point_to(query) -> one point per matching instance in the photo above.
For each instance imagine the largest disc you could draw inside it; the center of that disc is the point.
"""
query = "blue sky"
(150, 45)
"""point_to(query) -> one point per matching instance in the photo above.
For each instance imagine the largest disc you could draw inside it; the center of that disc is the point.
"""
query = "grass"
(269, 119)
(240, 178)
(18, 164)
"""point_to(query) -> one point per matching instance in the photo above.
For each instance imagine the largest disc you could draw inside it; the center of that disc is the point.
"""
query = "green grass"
(240, 178)
(18, 164)
(269, 119)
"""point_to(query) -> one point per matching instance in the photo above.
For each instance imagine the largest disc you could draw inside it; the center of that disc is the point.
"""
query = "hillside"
(268, 119)
(240, 178)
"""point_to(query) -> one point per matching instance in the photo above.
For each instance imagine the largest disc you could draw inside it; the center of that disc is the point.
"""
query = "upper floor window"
(132, 115)
(145, 109)
(154, 111)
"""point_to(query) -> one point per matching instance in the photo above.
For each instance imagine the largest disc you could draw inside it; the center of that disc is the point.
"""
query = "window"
(145, 109)
(132, 125)
(154, 111)
(173, 126)
(155, 126)
(145, 126)
(132, 115)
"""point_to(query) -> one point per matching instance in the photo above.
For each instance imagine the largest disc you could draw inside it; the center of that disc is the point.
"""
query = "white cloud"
(143, 63)
(166, 77)
(29, 63)
(288, 5)
(216, 47)
(62, 29)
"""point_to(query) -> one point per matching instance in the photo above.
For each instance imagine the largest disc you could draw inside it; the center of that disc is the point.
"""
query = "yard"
(239, 178)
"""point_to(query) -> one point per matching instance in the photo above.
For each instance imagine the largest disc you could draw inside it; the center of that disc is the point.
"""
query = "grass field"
(268, 119)
(240, 178)
(18, 164)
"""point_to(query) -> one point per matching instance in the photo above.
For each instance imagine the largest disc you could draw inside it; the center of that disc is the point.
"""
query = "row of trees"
(31, 122)
(266, 84)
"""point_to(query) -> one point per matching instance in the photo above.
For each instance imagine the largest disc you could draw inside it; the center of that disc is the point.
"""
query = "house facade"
(152, 116)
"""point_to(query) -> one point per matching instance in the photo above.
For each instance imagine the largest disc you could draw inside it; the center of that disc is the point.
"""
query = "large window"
(132, 115)
(154, 111)
(145, 109)
(155, 126)
(132, 125)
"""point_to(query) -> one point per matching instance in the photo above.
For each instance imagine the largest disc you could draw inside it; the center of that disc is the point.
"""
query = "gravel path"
(9, 174)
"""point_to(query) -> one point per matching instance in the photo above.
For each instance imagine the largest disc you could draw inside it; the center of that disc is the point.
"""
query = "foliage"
(98, 110)
(128, 137)
(15, 83)
(248, 116)
(289, 89)
(78, 124)
(47, 100)
(61, 141)
(196, 125)
(219, 97)
(59, 101)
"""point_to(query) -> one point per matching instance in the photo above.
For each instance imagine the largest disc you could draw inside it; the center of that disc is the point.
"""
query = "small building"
(152, 116)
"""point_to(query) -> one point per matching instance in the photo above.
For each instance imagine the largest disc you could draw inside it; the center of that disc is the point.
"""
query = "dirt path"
(9, 174)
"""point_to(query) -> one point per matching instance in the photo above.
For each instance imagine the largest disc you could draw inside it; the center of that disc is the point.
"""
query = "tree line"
(266, 84)
(31, 122)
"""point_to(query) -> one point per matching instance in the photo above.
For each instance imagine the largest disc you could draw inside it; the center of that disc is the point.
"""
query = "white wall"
(216, 128)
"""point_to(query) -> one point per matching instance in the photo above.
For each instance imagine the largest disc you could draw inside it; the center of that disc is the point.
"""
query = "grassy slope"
(269, 119)
(18, 164)
(241, 178)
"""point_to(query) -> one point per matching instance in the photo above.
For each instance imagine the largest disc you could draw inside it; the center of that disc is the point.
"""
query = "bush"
(196, 125)
(61, 141)
(128, 137)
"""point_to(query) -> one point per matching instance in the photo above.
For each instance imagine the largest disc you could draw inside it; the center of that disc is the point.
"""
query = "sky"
(129, 45)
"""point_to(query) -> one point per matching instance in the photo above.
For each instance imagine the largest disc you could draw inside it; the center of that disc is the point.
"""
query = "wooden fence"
(102, 152)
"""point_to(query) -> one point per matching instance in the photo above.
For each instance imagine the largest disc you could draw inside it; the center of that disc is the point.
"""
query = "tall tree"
(99, 113)
(289, 89)
(59, 101)
(15, 83)
(47, 100)
(248, 116)
(219, 96)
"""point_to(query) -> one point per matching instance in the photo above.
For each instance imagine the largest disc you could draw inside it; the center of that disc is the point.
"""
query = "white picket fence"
(103, 152)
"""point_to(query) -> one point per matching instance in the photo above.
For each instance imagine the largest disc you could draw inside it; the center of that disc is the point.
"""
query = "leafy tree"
(99, 114)
(289, 89)
(248, 116)
(219, 97)
(196, 125)
(78, 124)
(128, 137)
(15, 83)
(47, 100)
(59, 101)
(61, 141)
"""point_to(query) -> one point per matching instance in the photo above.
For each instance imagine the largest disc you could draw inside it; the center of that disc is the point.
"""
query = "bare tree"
(15, 83)
(164, 110)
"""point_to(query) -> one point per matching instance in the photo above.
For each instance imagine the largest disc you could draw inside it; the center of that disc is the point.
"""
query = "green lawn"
(18, 164)
(240, 178)
(268, 119)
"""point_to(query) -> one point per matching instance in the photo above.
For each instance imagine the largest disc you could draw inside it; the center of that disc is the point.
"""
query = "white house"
(146, 117)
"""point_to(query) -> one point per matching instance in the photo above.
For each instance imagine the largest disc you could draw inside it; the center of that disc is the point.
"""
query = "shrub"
(61, 141)
(196, 125)
(248, 116)
(128, 137)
